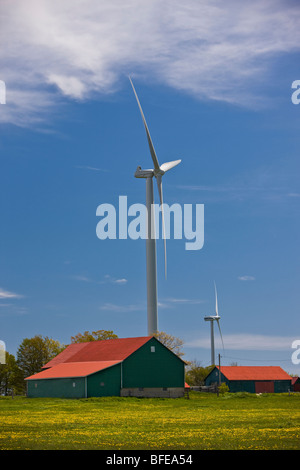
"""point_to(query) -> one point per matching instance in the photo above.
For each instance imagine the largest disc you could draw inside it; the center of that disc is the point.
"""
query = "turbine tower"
(211, 319)
(158, 171)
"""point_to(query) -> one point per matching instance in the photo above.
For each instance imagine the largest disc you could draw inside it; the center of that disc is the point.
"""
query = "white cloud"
(174, 300)
(82, 278)
(75, 48)
(245, 341)
(4, 294)
(107, 279)
(171, 302)
(266, 183)
(10, 309)
(120, 281)
(121, 308)
(246, 278)
(114, 280)
(69, 86)
(91, 168)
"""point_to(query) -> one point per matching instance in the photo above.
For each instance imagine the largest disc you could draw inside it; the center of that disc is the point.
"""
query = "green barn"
(252, 379)
(141, 367)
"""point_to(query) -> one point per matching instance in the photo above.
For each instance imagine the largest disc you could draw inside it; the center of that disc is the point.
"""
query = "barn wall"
(149, 369)
(105, 383)
(58, 388)
(153, 392)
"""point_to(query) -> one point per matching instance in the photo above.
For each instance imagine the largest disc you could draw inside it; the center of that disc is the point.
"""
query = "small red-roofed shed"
(252, 379)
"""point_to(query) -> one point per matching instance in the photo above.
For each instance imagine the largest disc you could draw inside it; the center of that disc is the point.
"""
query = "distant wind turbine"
(158, 171)
(211, 319)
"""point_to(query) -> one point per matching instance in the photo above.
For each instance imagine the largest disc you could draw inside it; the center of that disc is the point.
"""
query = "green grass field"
(205, 421)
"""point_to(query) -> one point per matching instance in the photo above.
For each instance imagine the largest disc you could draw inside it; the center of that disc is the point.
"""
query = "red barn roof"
(72, 369)
(254, 373)
(106, 350)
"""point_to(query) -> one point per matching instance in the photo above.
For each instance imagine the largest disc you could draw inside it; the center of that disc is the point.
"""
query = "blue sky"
(214, 82)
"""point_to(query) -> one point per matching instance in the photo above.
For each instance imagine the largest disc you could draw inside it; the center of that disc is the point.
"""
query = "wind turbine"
(211, 319)
(158, 171)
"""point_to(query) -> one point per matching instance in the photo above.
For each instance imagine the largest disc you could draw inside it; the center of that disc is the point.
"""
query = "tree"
(16, 382)
(93, 336)
(223, 388)
(8, 372)
(34, 352)
(171, 342)
(196, 374)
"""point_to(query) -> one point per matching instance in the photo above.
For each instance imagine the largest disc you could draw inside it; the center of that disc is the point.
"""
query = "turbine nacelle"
(139, 173)
(212, 318)
(157, 172)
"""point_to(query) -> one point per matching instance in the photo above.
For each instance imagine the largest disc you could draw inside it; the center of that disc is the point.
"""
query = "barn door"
(264, 387)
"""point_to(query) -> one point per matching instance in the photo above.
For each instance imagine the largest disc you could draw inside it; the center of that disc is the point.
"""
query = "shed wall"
(296, 386)
(241, 386)
(264, 386)
(282, 386)
(259, 386)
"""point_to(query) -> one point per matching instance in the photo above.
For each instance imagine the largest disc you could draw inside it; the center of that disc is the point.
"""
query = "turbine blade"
(160, 191)
(220, 333)
(167, 166)
(152, 151)
(217, 313)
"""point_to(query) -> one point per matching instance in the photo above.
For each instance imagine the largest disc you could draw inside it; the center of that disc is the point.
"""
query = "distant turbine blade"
(216, 301)
(152, 151)
(160, 191)
(167, 166)
(220, 333)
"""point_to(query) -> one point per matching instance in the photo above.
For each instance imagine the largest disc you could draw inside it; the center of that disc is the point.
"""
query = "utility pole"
(219, 369)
